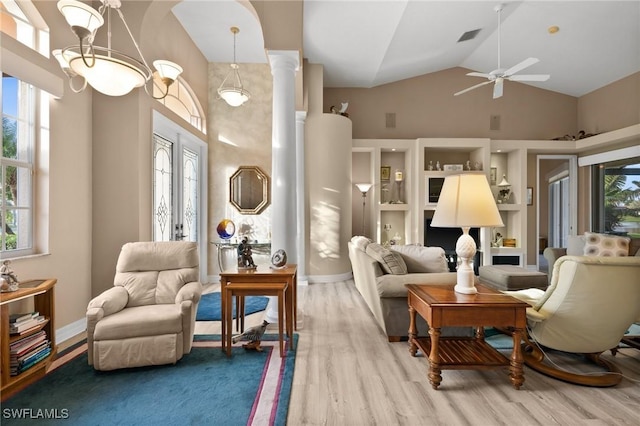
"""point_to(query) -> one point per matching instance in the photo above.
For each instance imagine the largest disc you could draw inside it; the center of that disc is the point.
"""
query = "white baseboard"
(69, 331)
(329, 278)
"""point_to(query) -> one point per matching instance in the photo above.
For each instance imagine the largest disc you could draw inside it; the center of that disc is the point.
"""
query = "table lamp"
(466, 201)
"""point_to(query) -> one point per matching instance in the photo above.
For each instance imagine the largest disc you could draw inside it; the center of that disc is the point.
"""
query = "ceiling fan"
(499, 75)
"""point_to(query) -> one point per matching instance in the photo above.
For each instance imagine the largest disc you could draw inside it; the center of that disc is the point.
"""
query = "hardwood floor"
(348, 374)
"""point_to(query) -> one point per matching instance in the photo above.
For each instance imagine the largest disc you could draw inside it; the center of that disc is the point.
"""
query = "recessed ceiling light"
(553, 29)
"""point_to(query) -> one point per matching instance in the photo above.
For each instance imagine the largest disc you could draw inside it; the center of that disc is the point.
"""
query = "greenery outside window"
(616, 196)
(17, 165)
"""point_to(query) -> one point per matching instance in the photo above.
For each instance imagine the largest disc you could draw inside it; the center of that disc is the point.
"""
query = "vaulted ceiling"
(367, 43)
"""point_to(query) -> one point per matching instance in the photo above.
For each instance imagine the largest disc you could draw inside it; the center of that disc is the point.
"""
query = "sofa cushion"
(423, 259)
(360, 242)
(605, 245)
(391, 262)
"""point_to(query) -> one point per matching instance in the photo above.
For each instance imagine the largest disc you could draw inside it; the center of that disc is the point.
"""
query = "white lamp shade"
(79, 14)
(167, 69)
(364, 187)
(466, 201)
(109, 75)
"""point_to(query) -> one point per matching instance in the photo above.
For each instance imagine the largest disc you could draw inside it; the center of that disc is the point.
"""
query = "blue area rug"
(209, 306)
(204, 388)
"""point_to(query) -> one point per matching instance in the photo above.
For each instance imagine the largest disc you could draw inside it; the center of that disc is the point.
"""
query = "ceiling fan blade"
(530, 77)
(479, 74)
(519, 67)
(471, 88)
(497, 88)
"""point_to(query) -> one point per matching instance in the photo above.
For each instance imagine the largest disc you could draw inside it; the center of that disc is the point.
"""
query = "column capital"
(284, 59)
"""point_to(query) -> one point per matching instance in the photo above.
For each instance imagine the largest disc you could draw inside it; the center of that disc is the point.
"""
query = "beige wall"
(425, 107)
(247, 130)
(612, 107)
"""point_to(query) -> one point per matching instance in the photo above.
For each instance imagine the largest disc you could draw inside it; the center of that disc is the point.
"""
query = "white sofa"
(384, 290)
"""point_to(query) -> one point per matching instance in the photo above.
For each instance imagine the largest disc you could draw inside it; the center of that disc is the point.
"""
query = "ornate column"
(284, 65)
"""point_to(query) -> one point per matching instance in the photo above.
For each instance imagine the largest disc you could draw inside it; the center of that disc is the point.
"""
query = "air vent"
(390, 119)
(469, 35)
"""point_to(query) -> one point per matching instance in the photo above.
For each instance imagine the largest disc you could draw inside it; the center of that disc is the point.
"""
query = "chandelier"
(233, 93)
(107, 70)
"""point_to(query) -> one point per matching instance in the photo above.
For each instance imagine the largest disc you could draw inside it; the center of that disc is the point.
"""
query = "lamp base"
(465, 249)
(465, 282)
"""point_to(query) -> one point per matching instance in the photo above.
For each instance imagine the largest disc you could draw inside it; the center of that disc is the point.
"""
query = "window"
(183, 102)
(18, 140)
(24, 163)
(616, 196)
(21, 21)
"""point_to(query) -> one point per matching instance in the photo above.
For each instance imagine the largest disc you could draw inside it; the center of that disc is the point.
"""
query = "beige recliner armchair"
(148, 316)
(587, 308)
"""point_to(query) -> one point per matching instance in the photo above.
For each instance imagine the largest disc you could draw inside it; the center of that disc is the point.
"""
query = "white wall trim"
(330, 278)
(604, 157)
(72, 330)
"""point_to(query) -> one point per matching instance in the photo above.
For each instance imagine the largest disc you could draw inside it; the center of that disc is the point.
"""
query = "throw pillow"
(605, 245)
(391, 262)
(423, 259)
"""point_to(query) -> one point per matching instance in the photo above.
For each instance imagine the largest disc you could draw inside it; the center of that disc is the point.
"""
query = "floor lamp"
(466, 201)
(364, 188)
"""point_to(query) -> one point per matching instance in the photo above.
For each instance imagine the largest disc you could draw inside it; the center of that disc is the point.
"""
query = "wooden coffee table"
(440, 306)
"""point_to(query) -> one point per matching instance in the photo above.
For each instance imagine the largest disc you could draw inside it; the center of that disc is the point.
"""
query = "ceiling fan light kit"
(499, 75)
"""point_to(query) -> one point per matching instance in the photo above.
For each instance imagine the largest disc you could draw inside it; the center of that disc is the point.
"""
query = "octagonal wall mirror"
(249, 189)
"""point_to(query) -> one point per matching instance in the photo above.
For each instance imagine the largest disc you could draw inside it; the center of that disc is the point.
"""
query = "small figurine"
(10, 279)
(430, 165)
(253, 335)
(438, 166)
(245, 258)
(468, 165)
(279, 259)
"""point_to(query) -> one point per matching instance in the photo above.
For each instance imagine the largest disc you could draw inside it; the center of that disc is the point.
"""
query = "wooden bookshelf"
(43, 301)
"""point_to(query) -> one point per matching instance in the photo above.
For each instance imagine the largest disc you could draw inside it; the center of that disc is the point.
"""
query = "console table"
(441, 306)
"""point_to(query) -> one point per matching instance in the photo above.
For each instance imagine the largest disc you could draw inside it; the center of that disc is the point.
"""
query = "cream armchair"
(148, 316)
(587, 308)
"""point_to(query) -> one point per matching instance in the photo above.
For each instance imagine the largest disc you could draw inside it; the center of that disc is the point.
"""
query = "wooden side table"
(263, 281)
(441, 306)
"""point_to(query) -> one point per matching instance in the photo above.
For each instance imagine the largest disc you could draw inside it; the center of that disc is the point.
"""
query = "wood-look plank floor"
(348, 374)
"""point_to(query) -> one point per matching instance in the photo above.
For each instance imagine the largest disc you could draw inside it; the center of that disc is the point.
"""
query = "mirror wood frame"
(234, 190)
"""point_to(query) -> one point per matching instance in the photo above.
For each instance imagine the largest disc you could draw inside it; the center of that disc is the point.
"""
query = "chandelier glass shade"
(231, 89)
(107, 70)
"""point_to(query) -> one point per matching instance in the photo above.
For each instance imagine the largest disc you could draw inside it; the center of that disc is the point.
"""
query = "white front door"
(176, 190)
(179, 186)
